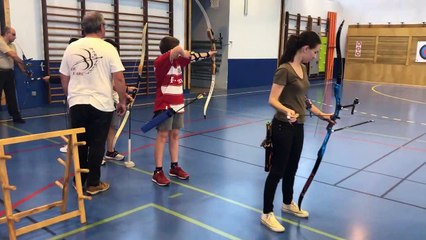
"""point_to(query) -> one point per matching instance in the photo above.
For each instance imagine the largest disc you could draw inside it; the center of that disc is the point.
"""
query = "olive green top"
(294, 93)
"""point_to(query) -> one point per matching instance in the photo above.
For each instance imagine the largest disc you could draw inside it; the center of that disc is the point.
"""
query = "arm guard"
(196, 56)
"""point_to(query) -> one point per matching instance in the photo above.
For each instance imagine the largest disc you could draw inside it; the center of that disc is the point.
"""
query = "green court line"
(314, 230)
(143, 207)
(67, 234)
(195, 222)
(175, 195)
(26, 132)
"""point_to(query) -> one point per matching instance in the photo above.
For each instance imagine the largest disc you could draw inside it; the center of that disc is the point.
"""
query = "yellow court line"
(195, 222)
(175, 195)
(385, 83)
(390, 96)
(140, 208)
(36, 116)
(67, 234)
(314, 230)
(26, 132)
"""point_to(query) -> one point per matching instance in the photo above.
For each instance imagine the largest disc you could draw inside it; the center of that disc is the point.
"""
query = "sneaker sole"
(96, 192)
(273, 229)
(160, 184)
(176, 176)
(295, 214)
(115, 159)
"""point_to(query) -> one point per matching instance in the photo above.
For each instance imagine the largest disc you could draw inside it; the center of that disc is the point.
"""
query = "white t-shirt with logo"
(90, 62)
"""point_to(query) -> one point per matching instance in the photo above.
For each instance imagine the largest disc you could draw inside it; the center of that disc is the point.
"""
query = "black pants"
(7, 83)
(97, 125)
(287, 142)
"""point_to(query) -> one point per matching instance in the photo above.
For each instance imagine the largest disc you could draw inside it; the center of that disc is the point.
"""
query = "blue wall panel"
(25, 86)
(243, 73)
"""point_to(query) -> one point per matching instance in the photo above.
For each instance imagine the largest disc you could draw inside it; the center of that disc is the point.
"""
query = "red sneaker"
(160, 179)
(179, 173)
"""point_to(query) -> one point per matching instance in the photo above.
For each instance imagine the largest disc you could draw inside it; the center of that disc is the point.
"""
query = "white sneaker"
(63, 149)
(271, 222)
(114, 156)
(292, 208)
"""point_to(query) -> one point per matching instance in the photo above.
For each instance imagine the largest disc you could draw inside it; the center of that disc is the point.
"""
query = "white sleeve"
(116, 64)
(64, 69)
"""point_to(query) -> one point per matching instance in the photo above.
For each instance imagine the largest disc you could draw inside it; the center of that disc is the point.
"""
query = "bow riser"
(320, 155)
(337, 90)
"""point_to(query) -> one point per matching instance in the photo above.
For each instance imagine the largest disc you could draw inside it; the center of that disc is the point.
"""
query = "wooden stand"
(72, 153)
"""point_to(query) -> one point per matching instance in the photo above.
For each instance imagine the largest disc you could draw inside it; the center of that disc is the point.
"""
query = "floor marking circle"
(395, 97)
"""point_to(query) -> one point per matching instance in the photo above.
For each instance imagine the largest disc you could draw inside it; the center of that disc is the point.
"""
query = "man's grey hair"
(92, 22)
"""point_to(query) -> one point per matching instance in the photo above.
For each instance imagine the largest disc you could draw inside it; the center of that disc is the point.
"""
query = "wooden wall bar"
(124, 24)
(294, 24)
(386, 53)
(6, 12)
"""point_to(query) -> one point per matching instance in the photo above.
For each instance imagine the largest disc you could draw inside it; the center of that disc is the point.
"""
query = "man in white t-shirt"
(88, 68)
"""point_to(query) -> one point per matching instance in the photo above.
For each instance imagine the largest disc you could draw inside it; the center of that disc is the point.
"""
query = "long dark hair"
(295, 43)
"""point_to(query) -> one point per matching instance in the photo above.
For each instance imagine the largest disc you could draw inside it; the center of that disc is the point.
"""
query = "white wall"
(255, 35)
(317, 8)
(179, 20)
(383, 11)
(29, 25)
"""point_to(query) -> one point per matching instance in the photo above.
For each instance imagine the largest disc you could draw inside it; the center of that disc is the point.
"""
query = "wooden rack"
(72, 155)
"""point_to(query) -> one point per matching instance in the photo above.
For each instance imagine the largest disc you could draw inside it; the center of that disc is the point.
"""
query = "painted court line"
(26, 132)
(143, 207)
(175, 195)
(29, 197)
(374, 89)
(311, 229)
(21, 201)
(376, 116)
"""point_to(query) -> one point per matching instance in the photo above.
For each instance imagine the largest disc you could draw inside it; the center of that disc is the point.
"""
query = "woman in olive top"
(288, 97)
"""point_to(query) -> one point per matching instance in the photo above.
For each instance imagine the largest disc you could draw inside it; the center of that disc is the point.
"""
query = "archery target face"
(421, 51)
